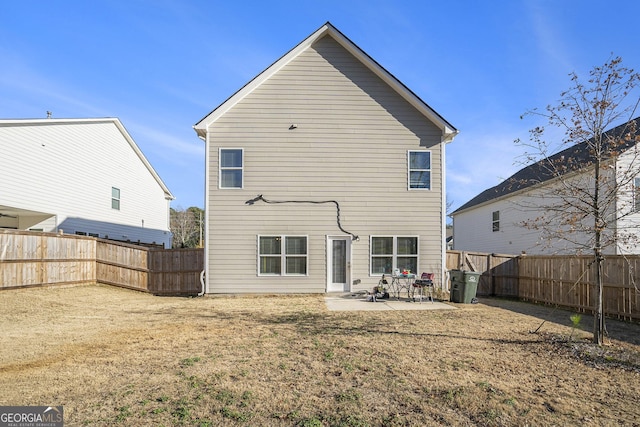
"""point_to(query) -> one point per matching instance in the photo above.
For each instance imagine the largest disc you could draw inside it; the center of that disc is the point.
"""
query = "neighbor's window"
(495, 220)
(393, 252)
(115, 198)
(420, 169)
(636, 194)
(231, 167)
(282, 255)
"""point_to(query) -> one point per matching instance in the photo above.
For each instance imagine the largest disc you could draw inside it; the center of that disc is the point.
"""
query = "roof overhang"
(14, 212)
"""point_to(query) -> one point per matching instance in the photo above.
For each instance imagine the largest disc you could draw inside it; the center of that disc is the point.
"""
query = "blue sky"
(162, 65)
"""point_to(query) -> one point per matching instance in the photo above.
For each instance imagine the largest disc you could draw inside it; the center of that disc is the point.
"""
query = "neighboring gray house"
(492, 221)
(323, 173)
(80, 176)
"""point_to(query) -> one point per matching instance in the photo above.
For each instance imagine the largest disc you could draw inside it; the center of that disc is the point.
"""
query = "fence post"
(492, 291)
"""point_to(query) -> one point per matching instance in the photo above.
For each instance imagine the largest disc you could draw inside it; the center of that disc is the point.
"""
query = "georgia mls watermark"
(31, 416)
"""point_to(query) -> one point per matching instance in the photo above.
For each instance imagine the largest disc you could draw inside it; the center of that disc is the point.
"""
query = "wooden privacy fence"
(566, 281)
(37, 259)
(499, 272)
(121, 264)
(176, 271)
(32, 259)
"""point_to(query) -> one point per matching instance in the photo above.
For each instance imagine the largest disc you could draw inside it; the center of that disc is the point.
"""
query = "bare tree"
(449, 205)
(589, 199)
(186, 226)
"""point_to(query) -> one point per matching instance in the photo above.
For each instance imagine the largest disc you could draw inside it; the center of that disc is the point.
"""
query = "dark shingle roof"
(572, 159)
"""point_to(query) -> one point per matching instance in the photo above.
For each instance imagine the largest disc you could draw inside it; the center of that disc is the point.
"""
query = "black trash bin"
(457, 285)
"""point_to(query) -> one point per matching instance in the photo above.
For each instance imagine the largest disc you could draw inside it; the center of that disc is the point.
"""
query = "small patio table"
(402, 281)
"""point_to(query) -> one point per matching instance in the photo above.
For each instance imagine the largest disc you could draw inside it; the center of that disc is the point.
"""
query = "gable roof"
(115, 121)
(572, 159)
(448, 131)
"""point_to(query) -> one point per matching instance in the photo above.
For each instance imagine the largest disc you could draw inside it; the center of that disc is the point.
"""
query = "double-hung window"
(495, 221)
(231, 167)
(115, 198)
(393, 252)
(636, 194)
(419, 165)
(282, 255)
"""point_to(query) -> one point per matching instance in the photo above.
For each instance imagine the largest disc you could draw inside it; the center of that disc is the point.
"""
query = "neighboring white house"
(323, 173)
(493, 220)
(80, 176)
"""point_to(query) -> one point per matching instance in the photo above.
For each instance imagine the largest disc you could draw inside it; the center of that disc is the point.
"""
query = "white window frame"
(283, 255)
(116, 199)
(409, 170)
(221, 168)
(495, 221)
(636, 195)
(394, 255)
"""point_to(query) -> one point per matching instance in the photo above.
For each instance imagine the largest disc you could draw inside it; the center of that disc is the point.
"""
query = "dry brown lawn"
(118, 357)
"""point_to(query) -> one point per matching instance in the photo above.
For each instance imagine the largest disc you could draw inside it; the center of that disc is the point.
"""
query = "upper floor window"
(115, 198)
(231, 167)
(495, 220)
(419, 170)
(282, 255)
(636, 194)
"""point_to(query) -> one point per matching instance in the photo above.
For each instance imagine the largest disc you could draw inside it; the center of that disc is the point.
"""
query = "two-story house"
(324, 172)
(500, 219)
(80, 176)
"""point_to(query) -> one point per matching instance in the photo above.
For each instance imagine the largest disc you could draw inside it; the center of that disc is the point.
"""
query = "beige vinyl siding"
(350, 145)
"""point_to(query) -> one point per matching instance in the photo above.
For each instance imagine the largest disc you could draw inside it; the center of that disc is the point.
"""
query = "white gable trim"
(167, 193)
(448, 131)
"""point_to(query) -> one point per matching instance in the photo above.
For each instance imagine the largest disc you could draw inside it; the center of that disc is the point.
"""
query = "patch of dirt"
(620, 355)
(116, 357)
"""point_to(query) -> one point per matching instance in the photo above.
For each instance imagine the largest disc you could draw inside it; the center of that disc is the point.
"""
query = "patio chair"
(424, 282)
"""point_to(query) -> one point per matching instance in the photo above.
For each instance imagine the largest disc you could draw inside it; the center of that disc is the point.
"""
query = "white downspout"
(202, 283)
(205, 272)
(447, 137)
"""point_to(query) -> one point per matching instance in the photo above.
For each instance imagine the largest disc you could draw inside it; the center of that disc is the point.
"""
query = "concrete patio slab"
(358, 302)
